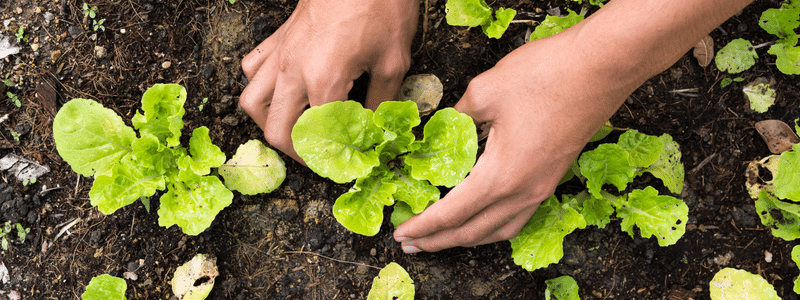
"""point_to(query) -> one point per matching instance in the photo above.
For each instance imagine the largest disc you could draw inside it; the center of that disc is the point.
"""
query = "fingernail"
(401, 239)
(410, 249)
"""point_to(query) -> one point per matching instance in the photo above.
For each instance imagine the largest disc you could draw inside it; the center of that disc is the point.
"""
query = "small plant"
(200, 107)
(96, 142)
(344, 142)
(98, 25)
(7, 228)
(540, 241)
(740, 54)
(21, 35)
(232, 1)
(561, 288)
(474, 13)
(14, 99)
(730, 283)
(554, 24)
(15, 135)
(89, 12)
(29, 181)
(796, 260)
(105, 287)
(727, 81)
(392, 283)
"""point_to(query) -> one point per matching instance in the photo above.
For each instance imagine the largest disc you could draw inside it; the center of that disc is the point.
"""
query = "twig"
(533, 22)
(333, 259)
(703, 163)
(692, 92)
(66, 229)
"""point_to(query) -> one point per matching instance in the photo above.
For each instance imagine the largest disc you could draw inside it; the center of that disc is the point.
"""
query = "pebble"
(55, 55)
(166, 65)
(767, 256)
(35, 47)
(100, 52)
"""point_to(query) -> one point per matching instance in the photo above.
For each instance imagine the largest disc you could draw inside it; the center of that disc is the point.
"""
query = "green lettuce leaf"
(662, 216)
(254, 169)
(730, 283)
(595, 211)
(736, 56)
(785, 217)
(668, 167)
(163, 113)
(418, 194)
(555, 24)
(643, 150)
(467, 12)
(787, 58)
(496, 28)
(337, 140)
(448, 151)
(127, 182)
(782, 23)
(105, 287)
(787, 176)
(392, 283)
(540, 242)
(90, 137)
(608, 163)
(401, 212)
(150, 154)
(194, 204)
(561, 288)
(204, 156)
(397, 119)
(796, 259)
(361, 209)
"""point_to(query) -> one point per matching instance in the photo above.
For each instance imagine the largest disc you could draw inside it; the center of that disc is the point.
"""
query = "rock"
(75, 32)
(95, 237)
(100, 52)
(745, 215)
(206, 71)
(166, 65)
(286, 209)
(230, 120)
(22, 128)
(225, 104)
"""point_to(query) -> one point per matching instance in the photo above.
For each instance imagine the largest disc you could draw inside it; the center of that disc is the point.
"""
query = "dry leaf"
(778, 135)
(704, 51)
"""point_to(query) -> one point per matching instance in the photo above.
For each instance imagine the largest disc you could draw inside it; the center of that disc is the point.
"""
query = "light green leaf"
(760, 95)
(496, 28)
(163, 113)
(561, 288)
(608, 163)
(602, 132)
(127, 182)
(397, 118)
(204, 156)
(796, 259)
(669, 167)
(401, 212)
(734, 284)
(596, 211)
(361, 209)
(782, 23)
(254, 169)
(540, 242)
(392, 283)
(555, 24)
(185, 280)
(447, 153)
(150, 154)
(90, 137)
(105, 287)
(662, 216)
(193, 205)
(787, 176)
(418, 194)
(736, 56)
(785, 217)
(467, 12)
(643, 150)
(788, 58)
(337, 140)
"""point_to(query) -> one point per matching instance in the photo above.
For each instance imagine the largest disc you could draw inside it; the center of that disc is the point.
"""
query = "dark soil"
(286, 245)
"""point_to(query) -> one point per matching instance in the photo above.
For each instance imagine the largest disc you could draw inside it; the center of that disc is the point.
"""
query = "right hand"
(314, 57)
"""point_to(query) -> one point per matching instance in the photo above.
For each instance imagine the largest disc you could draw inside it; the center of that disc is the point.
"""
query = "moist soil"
(285, 244)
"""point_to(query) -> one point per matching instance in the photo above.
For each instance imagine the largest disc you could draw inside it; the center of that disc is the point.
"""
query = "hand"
(314, 57)
(544, 101)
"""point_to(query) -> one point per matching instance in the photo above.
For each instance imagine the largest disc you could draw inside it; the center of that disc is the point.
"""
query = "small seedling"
(29, 181)
(22, 232)
(205, 100)
(89, 12)
(474, 13)
(7, 81)
(7, 228)
(14, 99)
(21, 35)
(727, 81)
(232, 1)
(15, 135)
(98, 25)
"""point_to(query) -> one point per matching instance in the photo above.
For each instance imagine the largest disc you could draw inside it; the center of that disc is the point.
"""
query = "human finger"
(288, 104)
(474, 106)
(385, 81)
(252, 62)
(257, 95)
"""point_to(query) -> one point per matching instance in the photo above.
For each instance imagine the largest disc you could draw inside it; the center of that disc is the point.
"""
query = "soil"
(286, 245)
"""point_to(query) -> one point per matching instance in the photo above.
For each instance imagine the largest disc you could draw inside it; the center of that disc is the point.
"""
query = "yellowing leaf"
(254, 169)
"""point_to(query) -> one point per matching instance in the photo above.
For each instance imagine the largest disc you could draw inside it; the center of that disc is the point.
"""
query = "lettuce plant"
(474, 13)
(617, 164)
(796, 260)
(730, 283)
(392, 283)
(105, 287)
(775, 204)
(740, 54)
(561, 288)
(344, 142)
(96, 142)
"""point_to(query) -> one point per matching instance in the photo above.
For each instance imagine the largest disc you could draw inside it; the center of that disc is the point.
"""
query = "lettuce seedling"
(561, 288)
(105, 287)
(344, 142)
(477, 13)
(96, 142)
(392, 283)
(730, 283)
(540, 241)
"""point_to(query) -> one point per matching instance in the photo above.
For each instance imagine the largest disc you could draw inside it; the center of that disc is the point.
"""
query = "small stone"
(230, 120)
(206, 71)
(466, 45)
(100, 52)
(93, 37)
(75, 31)
(767, 256)
(373, 252)
(35, 47)
(122, 31)
(130, 276)
(166, 65)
